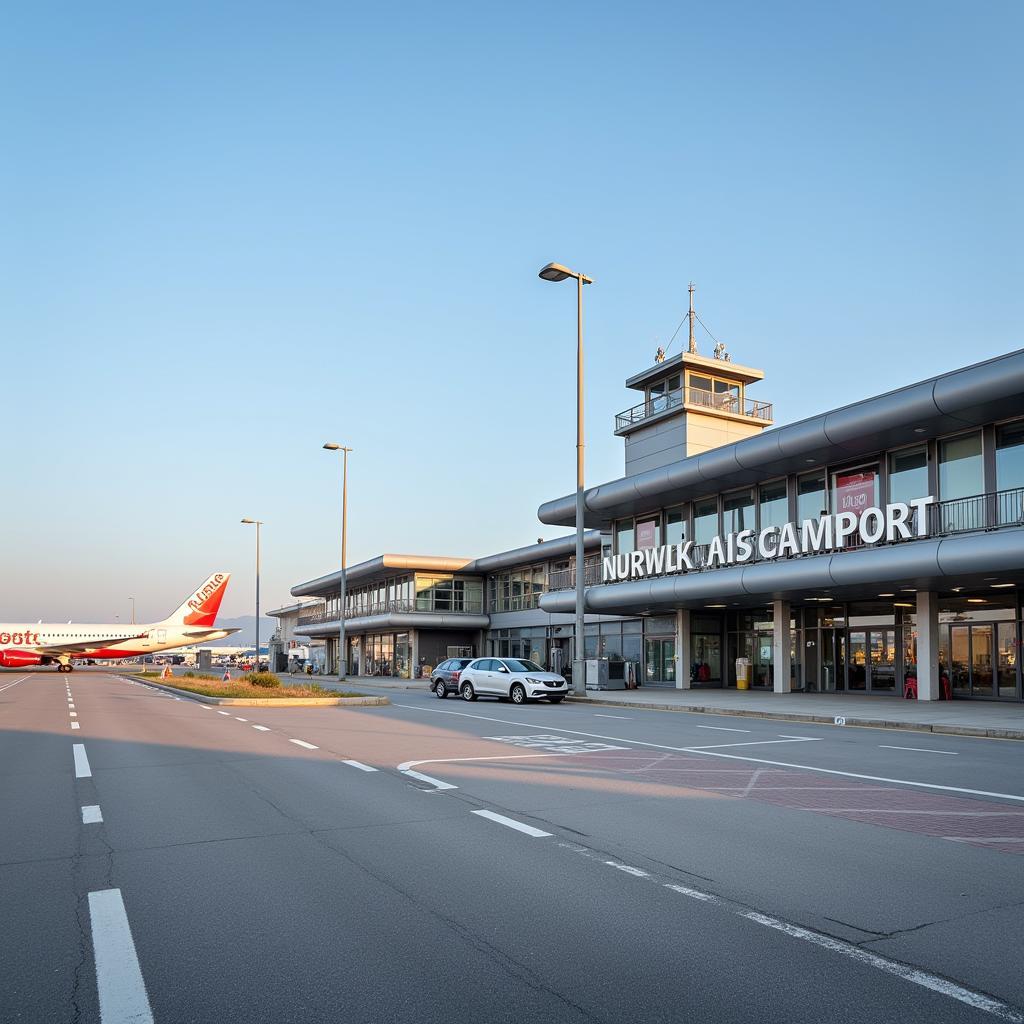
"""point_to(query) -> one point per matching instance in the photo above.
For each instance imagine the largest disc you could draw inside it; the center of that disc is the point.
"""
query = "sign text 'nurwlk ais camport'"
(897, 521)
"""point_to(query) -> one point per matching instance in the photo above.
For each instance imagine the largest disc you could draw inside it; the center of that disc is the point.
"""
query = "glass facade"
(811, 500)
(705, 520)
(518, 589)
(443, 592)
(908, 474)
(738, 511)
(774, 504)
(961, 470)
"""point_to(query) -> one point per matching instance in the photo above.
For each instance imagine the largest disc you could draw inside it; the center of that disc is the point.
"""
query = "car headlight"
(536, 682)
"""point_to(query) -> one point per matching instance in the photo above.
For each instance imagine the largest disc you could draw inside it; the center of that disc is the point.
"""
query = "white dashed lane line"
(519, 826)
(228, 713)
(237, 719)
(119, 984)
(261, 728)
(75, 725)
(923, 750)
(359, 764)
(722, 728)
(624, 718)
(82, 769)
(91, 814)
(628, 869)
(303, 743)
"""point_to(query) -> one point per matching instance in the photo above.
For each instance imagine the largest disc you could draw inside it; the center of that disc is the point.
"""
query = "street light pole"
(257, 523)
(556, 272)
(132, 599)
(332, 446)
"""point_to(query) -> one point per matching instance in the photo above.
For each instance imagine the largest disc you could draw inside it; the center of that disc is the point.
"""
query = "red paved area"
(985, 823)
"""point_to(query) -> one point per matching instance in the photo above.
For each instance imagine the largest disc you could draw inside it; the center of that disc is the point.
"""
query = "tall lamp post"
(556, 272)
(333, 446)
(132, 599)
(257, 523)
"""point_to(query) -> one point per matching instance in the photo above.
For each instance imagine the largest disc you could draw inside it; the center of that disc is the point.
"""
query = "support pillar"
(414, 653)
(684, 656)
(927, 645)
(782, 648)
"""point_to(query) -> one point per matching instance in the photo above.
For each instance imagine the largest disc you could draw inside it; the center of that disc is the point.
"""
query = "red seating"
(910, 688)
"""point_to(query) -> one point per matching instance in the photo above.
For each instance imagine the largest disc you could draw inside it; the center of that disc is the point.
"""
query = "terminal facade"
(875, 548)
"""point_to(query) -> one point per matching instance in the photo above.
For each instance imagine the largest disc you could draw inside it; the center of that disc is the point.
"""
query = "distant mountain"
(246, 637)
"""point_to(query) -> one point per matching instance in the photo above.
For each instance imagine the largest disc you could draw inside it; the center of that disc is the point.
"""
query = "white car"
(511, 678)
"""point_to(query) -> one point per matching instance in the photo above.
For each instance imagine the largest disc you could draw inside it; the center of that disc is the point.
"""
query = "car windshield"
(522, 666)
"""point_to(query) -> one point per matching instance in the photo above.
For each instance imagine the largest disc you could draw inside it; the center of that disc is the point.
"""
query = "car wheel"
(467, 691)
(440, 689)
(518, 693)
(556, 700)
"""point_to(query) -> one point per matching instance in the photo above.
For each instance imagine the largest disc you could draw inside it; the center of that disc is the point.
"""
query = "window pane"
(855, 490)
(810, 496)
(1010, 456)
(624, 536)
(675, 527)
(960, 467)
(738, 511)
(646, 533)
(705, 520)
(774, 504)
(908, 475)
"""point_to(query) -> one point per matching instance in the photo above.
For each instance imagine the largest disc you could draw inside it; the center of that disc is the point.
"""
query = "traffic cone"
(166, 674)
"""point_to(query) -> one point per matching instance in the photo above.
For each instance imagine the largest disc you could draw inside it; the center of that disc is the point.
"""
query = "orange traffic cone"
(166, 674)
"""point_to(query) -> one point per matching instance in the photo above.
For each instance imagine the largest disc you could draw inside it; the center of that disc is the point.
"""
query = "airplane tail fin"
(200, 608)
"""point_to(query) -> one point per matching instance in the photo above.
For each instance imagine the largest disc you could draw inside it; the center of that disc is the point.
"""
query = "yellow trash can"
(742, 673)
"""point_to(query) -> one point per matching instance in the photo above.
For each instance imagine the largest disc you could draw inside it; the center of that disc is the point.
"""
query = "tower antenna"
(693, 340)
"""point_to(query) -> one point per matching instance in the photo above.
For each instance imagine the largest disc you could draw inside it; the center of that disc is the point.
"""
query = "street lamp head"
(332, 446)
(252, 522)
(556, 272)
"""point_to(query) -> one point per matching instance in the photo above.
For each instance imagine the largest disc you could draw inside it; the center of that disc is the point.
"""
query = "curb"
(794, 716)
(269, 702)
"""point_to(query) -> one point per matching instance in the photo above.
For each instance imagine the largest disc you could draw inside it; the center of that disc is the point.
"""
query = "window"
(854, 490)
(624, 536)
(646, 533)
(908, 475)
(675, 526)
(738, 511)
(774, 504)
(705, 520)
(811, 501)
(1010, 456)
(961, 473)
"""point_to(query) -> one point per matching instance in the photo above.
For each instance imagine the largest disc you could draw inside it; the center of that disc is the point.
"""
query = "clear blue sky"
(233, 231)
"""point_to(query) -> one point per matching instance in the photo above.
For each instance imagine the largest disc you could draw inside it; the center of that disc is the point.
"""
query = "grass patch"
(243, 686)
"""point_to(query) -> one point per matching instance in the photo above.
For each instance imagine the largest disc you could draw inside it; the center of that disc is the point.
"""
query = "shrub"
(265, 679)
(189, 675)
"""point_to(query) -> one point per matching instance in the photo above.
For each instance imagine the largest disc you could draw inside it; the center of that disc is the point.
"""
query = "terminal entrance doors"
(660, 660)
(858, 660)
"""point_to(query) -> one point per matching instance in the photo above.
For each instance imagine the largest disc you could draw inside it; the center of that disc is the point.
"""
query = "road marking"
(625, 718)
(555, 744)
(261, 728)
(119, 983)
(237, 719)
(723, 728)
(694, 893)
(73, 714)
(228, 713)
(636, 872)
(512, 823)
(75, 725)
(911, 974)
(91, 814)
(436, 783)
(924, 750)
(759, 743)
(15, 683)
(740, 757)
(359, 764)
(303, 743)
(82, 769)
(785, 736)
(205, 707)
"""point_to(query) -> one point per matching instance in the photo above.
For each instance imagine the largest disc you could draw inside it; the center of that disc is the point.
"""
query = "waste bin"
(742, 673)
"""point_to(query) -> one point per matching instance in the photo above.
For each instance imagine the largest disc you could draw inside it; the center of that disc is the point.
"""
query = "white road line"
(723, 728)
(740, 757)
(512, 823)
(911, 974)
(436, 783)
(91, 814)
(303, 743)
(636, 872)
(924, 750)
(82, 769)
(694, 893)
(237, 719)
(359, 764)
(75, 725)
(261, 728)
(15, 683)
(758, 743)
(786, 736)
(119, 983)
(73, 714)
(625, 718)
(407, 765)
(205, 707)
(228, 713)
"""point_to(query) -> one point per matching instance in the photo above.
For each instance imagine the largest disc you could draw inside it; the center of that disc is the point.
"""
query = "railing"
(728, 402)
(981, 512)
(383, 607)
(516, 603)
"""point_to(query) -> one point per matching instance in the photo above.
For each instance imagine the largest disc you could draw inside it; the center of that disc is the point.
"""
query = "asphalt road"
(170, 861)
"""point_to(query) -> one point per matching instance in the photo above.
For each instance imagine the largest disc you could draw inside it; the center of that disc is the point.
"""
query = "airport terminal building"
(875, 548)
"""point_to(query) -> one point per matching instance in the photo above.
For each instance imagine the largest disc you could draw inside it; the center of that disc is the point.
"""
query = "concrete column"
(927, 645)
(414, 652)
(684, 656)
(781, 647)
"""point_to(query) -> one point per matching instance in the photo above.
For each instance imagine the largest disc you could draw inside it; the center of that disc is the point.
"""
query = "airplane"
(60, 643)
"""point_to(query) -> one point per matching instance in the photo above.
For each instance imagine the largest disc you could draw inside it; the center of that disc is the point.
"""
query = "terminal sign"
(896, 521)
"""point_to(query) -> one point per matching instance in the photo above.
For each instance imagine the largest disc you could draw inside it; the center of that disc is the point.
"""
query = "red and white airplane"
(50, 643)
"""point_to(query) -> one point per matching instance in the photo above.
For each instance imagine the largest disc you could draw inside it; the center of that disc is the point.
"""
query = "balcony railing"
(727, 402)
(321, 616)
(981, 512)
(516, 603)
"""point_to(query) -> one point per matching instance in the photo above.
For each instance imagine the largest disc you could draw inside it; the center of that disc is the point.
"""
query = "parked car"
(445, 678)
(510, 678)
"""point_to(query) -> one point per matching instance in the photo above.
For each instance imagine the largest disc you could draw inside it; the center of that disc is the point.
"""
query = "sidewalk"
(958, 717)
